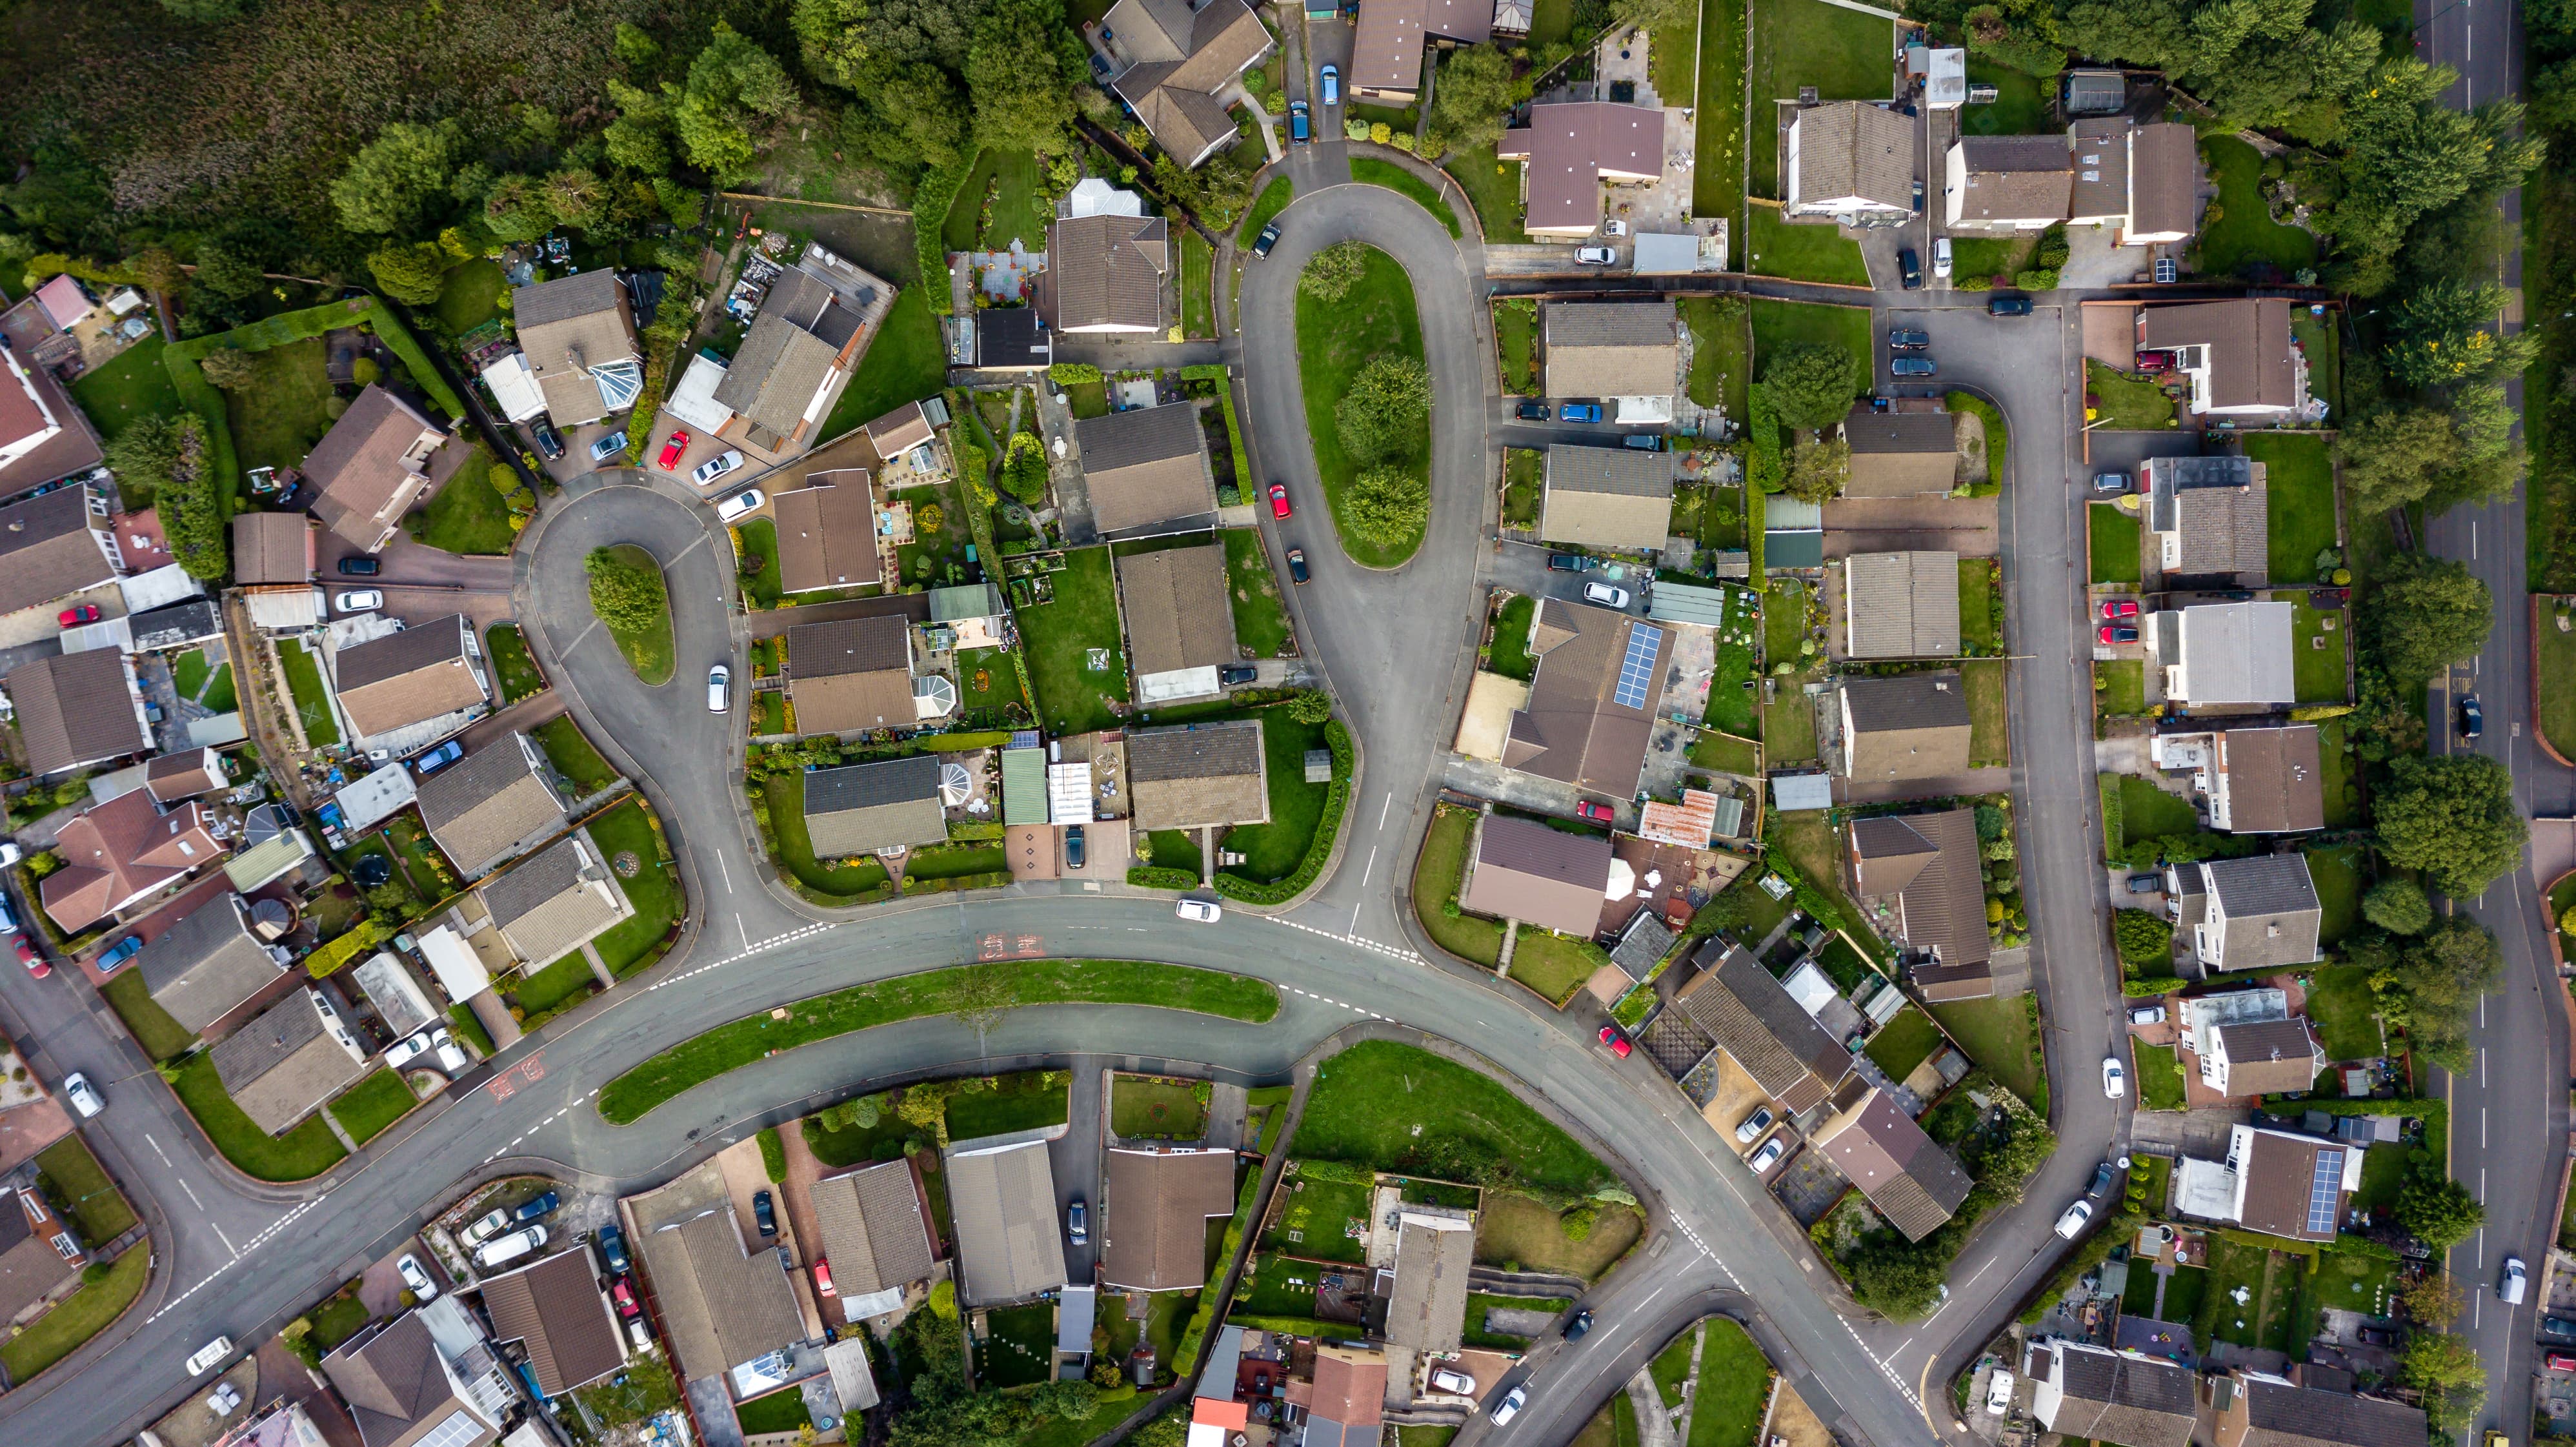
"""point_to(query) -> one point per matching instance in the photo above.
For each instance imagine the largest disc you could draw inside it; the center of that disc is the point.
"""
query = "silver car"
(715, 467)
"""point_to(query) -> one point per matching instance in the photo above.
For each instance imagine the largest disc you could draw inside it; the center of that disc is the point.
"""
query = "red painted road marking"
(506, 1083)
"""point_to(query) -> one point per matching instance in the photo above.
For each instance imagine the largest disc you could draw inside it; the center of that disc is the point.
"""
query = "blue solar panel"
(2323, 1189)
(1637, 670)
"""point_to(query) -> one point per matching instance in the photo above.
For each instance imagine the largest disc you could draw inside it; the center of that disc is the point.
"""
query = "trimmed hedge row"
(930, 202)
(1320, 848)
(956, 882)
(1186, 1352)
(1216, 372)
(1147, 876)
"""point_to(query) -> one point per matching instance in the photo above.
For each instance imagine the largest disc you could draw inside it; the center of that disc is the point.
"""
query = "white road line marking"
(227, 1240)
(192, 1194)
(1382, 808)
(726, 870)
(1348, 939)
(156, 1148)
(1367, 870)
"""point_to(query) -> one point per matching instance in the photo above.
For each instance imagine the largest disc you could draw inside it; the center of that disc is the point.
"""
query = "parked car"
(8, 916)
(1753, 1126)
(415, 1277)
(1595, 256)
(1510, 1406)
(360, 567)
(440, 757)
(2111, 484)
(1999, 1385)
(1300, 129)
(2555, 1361)
(2114, 633)
(1279, 499)
(223, 1399)
(1077, 1222)
(509, 1248)
(672, 447)
(2115, 1078)
(1297, 565)
(1908, 339)
(209, 1354)
(1332, 78)
(84, 1096)
(740, 505)
(1579, 412)
(547, 442)
(2509, 1286)
(823, 1277)
(1594, 810)
(2071, 1224)
(484, 1229)
(1605, 594)
(2008, 306)
(612, 1245)
(1531, 412)
(1455, 1383)
(2473, 717)
(2558, 1327)
(1643, 441)
(1567, 562)
(1231, 674)
(544, 1205)
(2152, 363)
(2119, 608)
(1769, 1156)
(2102, 1177)
(639, 1334)
(608, 447)
(2380, 1336)
(1268, 238)
(715, 467)
(1910, 268)
(1617, 1042)
(719, 689)
(451, 1056)
(1912, 367)
(74, 617)
(764, 1212)
(1201, 911)
(34, 962)
(2146, 884)
(2146, 1014)
(624, 1295)
(1077, 851)
(118, 953)
(360, 600)
(1940, 253)
(406, 1050)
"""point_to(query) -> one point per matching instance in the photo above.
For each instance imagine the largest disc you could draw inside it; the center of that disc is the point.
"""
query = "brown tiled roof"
(2270, 1057)
(2118, 1397)
(376, 463)
(1350, 1386)
(203, 967)
(2015, 178)
(1912, 726)
(2164, 180)
(1905, 1174)
(481, 808)
(283, 1064)
(2280, 1415)
(27, 396)
(1608, 497)
(1613, 348)
(30, 1267)
(184, 775)
(1182, 59)
(723, 1305)
(1154, 1220)
(827, 533)
(851, 674)
(1855, 149)
(1569, 146)
(1107, 272)
(396, 1387)
(1943, 984)
(1145, 465)
(1186, 122)
(2249, 347)
(859, 808)
(1177, 612)
(2275, 779)
(1008, 1244)
(1194, 775)
(1888, 853)
(75, 709)
(1526, 871)
(1902, 605)
(1901, 454)
(900, 430)
(48, 548)
(568, 326)
(1386, 54)
(1756, 1021)
(555, 1310)
(117, 852)
(872, 1231)
(1574, 729)
(2280, 1171)
(554, 900)
(1941, 897)
(410, 677)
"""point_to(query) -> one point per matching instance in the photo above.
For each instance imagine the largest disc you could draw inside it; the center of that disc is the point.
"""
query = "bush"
(2143, 938)
(2037, 279)
(1332, 272)
(773, 1156)
(624, 595)
(1146, 876)
(1071, 372)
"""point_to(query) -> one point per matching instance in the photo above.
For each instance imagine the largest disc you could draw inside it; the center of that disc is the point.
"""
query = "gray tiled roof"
(2270, 909)
(1612, 349)
(1176, 609)
(872, 1228)
(74, 709)
(2135, 1401)
(202, 968)
(1854, 149)
(2015, 178)
(1912, 726)
(1756, 1021)
(775, 374)
(47, 549)
(1611, 497)
(1107, 272)
(860, 808)
(1198, 774)
(1145, 465)
(1008, 1244)
(487, 803)
(552, 901)
(1902, 605)
(2281, 1415)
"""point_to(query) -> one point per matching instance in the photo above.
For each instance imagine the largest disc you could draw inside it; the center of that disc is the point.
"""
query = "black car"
(1268, 238)
(612, 1244)
(1578, 1324)
(1297, 565)
(1566, 562)
(1908, 339)
(1643, 441)
(1912, 267)
(2102, 1175)
(1532, 412)
(2008, 306)
(2145, 883)
(547, 442)
(2558, 1328)
(1233, 673)
(764, 1213)
(1074, 850)
(2378, 1336)
(361, 567)
(2473, 719)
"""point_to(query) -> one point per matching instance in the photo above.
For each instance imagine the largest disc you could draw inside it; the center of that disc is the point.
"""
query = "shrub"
(1069, 372)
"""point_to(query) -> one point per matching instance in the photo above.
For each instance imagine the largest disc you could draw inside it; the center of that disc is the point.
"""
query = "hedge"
(930, 202)
(1225, 402)
(2115, 831)
(1320, 848)
(956, 883)
(1756, 519)
(1763, 467)
(364, 935)
(1146, 876)
(1073, 372)
(1186, 1352)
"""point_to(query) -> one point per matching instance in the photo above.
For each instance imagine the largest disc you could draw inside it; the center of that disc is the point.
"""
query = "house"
(1522, 869)
(1199, 776)
(430, 673)
(54, 546)
(1106, 270)
(721, 1295)
(2114, 1396)
(272, 844)
(117, 854)
(1607, 497)
(1435, 1248)
(2007, 183)
(1924, 877)
(1901, 454)
(556, 901)
(1592, 701)
(1144, 466)
(1643, 943)
(492, 805)
(1007, 339)
(1345, 1405)
(2164, 185)
(2272, 1181)
(556, 1312)
(1910, 726)
(1570, 151)
(1386, 53)
(1180, 622)
(2098, 155)
(387, 983)
(1906, 1175)
(1901, 605)
(851, 674)
(512, 384)
(577, 339)
(77, 709)
(910, 428)
(43, 437)
(2258, 1409)
(2262, 1057)
(65, 301)
(1746, 1012)
(1009, 1245)
(886, 805)
(2238, 354)
(38, 1253)
(2226, 653)
(1177, 59)
(1626, 352)
(383, 458)
(203, 967)
(1154, 1214)
(187, 774)
(693, 403)
(875, 1234)
(827, 533)
(402, 1390)
(2259, 913)
(799, 351)
(1850, 158)
(289, 1059)
(2251, 780)
(2211, 518)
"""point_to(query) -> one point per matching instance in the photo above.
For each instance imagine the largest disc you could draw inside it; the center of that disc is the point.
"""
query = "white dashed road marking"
(1348, 939)
(1336, 1004)
(240, 1254)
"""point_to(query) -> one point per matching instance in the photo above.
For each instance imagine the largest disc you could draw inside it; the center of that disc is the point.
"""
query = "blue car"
(1332, 85)
(1579, 412)
(538, 1207)
(440, 757)
(612, 1244)
(118, 953)
(1298, 129)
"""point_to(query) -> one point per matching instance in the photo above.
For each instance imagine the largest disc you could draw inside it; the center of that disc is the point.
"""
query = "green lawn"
(1370, 171)
(98, 1210)
(1000, 687)
(785, 797)
(1721, 352)
(1729, 755)
(467, 515)
(1274, 198)
(1806, 251)
(2321, 339)
(1734, 1383)
(513, 670)
(160, 1036)
(306, 1150)
(1734, 689)
(1435, 883)
(935, 554)
(643, 640)
(1391, 1106)
(1844, 54)
(1981, 622)
(2344, 1009)
(2000, 1034)
(2318, 642)
(1198, 284)
(1019, 1346)
(572, 756)
(2244, 236)
(1524, 487)
(567, 979)
(1494, 188)
(756, 563)
(1717, 176)
(2020, 107)
(312, 695)
(1989, 710)
(1312, 1222)
(1016, 181)
(82, 1315)
(2340, 878)
(1014, 1103)
(2147, 812)
(285, 409)
(2159, 1077)
(2557, 650)
(1551, 21)
(2127, 403)
(365, 1109)
(2116, 543)
(655, 890)
(1905, 1042)
(905, 363)
(1072, 696)
(2125, 686)
(1273, 851)
(2335, 775)
(1334, 341)
(1510, 655)
(1516, 345)
(1989, 256)
(2300, 479)
(470, 296)
(1260, 615)
(1552, 966)
(197, 676)
(1087, 399)
(1141, 1107)
(1615, 1425)
(780, 1411)
(1777, 324)
(133, 385)
(955, 861)
(1672, 54)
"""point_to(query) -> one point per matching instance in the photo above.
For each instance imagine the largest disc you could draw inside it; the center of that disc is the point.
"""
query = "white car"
(1769, 1156)
(416, 1277)
(361, 600)
(1595, 256)
(451, 1056)
(1455, 1383)
(83, 1095)
(2509, 1287)
(1941, 267)
(1205, 911)
(719, 689)
(509, 1248)
(481, 1230)
(209, 1354)
(715, 467)
(1510, 1406)
(2070, 1224)
(223, 1399)
(406, 1051)
(1999, 1389)
(740, 505)
(2115, 1081)
(1605, 595)
(1752, 1126)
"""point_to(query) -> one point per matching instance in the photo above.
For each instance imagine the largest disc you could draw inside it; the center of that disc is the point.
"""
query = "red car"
(2561, 1362)
(624, 1296)
(85, 613)
(2114, 633)
(2154, 362)
(1279, 499)
(34, 962)
(1617, 1042)
(671, 450)
(823, 1276)
(1597, 813)
(2120, 608)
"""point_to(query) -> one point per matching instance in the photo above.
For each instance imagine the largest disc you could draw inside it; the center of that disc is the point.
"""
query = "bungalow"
(1146, 466)
(556, 1313)
(577, 342)
(875, 1235)
(1910, 726)
(1426, 1309)
(1735, 1005)
(1009, 1245)
(2254, 1408)
(1571, 152)
(1607, 497)
(2211, 519)
(799, 353)
(1628, 353)
(207, 964)
(404, 1390)
(556, 901)
(1592, 701)
(1522, 869)
(1180, 622)
(77, 709)
(1901, 454)
(1850, 158)
(851, 675)
(1901, 605)
(1922, 877)
(409, 688)
(2238, 354)
(383, 458)
(54, 546)
(1176, 60)
(492, 805)
(1911, 1181)
(1199, 776)
(290, 1058)
(2007, 183)
(1154, 1215)
(1387, 51)
(827, 533)
(1106, 265)
(866, 808)
(722, 1295)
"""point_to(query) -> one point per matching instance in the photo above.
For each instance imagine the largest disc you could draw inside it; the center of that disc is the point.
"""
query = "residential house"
(556, 901)
(864, 808)
(2125, 1397)
(207, 964)
(120, 853)
(2211, 520)
(1106, 266)
(1850, 158)
(383, 458)
(428, 674)
(1626, 352)
(1607, 497)
(2007, 183)
(556, 1312)
(39, 1256)
(1901, 454)
(2098, 158)
(1387, 51)
(1910, 726)
(1198, 776)
(876, 1234)
(1005, 339)
(1146, 466)
(2258, 913)
(721, 1295)
(403, 1391)
(1154, 1214)
(2164, 185)
(77, 709)
(693, 403)
(512, 384)
(2255, 1408)
(186, 774)
(2252, 780)
(2238, 354)
(2141, 181)
(2262, 1057)
(2226, 653)
(1345, 1404)
(793, 362)
(1435, 1249)
(43, 437)
(1571, 152)
(851, 675)
(1643, 943)
(827, 533)
(2272, 1181)
(1522, 869)
(1906, 1175)
(910, 430)
(1180, 622)
(1742, 1009)
(55, 545)
(492, 805)
(289, 1059)
(577, 338)
(1177, 59)
(1009, 1246)
(1592, 701)
(1901, 605)
(1923, 877)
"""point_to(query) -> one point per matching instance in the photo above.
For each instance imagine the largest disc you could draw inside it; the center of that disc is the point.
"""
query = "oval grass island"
(1371, 427)
(969, 992)
(634, 605)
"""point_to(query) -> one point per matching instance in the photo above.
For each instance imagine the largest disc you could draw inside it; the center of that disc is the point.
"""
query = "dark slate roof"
(1226, 749)
(190, 622)
(2131, 1400)
(2281, 1415)
(865, 786)
(1011, 337)
(565, 298)
(848, 645)
(1756, 1021)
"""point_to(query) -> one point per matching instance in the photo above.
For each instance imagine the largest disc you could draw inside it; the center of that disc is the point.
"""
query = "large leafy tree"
(2445, 1367)
(2430, 987)
(1021, 71)
(2396, 456)
(1818, 469)
(1475, 93)
(2427, 614)
(2453, 818)
(1386, 413)
(1332, 272)
(1812, 384)
(733, 86)
(2441, 334)
(1899, 1277)
(1386, 505)
(395, 178)
(2399, 906)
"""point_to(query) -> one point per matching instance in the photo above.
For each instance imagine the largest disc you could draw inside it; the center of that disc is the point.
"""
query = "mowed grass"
(2020, 106)
(1435, 882)
(785, 796)
(1516, 1228)
(312, 695)
(1844, 54)
(1721, 353)
(1906, 1041)
(1273, 851)
(2000, 1034)
(655, 893)
(1378, 1103)
(2318, 644)
(2557, 649)
(2245, 239)
(572, 755)
(470, 296)
(2123, 689)
(1140, 1106)
(2300, 479)
(1021, 210)
(1370, 171)
(2123, 402)
(307, 1149)
(1778, 324)
(1260, 614)
(1734, 1385)
(2159, 1077)
(1072, 697)
(1198, 285)
(132, 386)
(905, 362)
(365, 1109)
(1493, 187)
(1717, 173)
(82, 1315)
(756, 563)
(285, 410)
(1265, 208)
(161, 1037)
(97, 1208)
(1334, 341)
(1013, 1103)
(1801, 251)
(2116, 540)
(2345, 1011)
(2340, 878)
(512, 666)
(1989, 710)
(467, 515)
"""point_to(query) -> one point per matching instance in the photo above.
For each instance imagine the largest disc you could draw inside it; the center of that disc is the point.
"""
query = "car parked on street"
(209, 1354)
(2509, 1286)
(2103, 1175)
(37, 968)
(1579, 412)
(2071, 1224)
(2115, 1078)
(2008, 306)
(83, 1095)
(1297, 565)
(1279, 500)
(1531, 412)
(1912, 367)
(2473, 717)
(1617, 1042)
(719, 689)
(1200, 911)
(1268, 238)
(1510, 1406)
(1595, 256)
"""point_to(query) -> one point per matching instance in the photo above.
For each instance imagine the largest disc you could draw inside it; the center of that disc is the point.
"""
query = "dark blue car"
(538, 1207)
(612, 1244)
(119, 952)
(1299, 131)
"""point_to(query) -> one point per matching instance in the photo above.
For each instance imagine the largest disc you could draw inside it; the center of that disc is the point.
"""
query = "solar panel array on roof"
(2323, 1189)
(1637, 670)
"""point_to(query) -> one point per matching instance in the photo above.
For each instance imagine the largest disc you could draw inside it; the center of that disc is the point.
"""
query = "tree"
(203, 11)
(1071, 1401)
(2427, 614)
(1311, 706)
(2398, 905)
(231, 369)
(1899, 1278)
(2453, 818)
(515, 209)
(1475, 93)
(410, 272)
(2430, 988)
(1021, 71)
(2396, 456)
(980, 996)
(2386, 724)
(1386, 413)
(2144, 939)
(1024, 468)
(1818, 469)
(732, 85)
(1386, 506)
(575, 197)
(626, 596)
(1332, 272)
(156, 270)
(1811, 384)
(2439, 334)
(2432, 1299)
(925, 1108)
(639, 139)
(224, 275)
(145, 456)
(395, 177)
(2453, 1380)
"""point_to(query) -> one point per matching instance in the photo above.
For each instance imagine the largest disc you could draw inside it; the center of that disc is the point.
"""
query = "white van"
(209, 1355)
(509, 1248)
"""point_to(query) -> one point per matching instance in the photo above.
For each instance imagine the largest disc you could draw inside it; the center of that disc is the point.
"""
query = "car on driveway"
(74, 617)
(1076, 850)
(451, 1056)
(2114, 633)
(764, 1211)
(1999, 1390)
(740, 505)
(1607, 595)
(416, 1277)
(823, 1277)
(1617, 1042)
(1596, 811)
(2115, 1078)
(1297, 565)
(1455, 1383)
(1754, 1125)
(531, 1210)
(1909, 268)
(1912, 367)
(672, 446)
(2008, 306)
(509, 1248)
(360, 600)
(1595, 256)
(1643, 441)
(1077, 1222)
(2152, 363)
(1268, 238)
(2147, 1014)
(1279, 500)
(404, 1051)
(1567, 562)
(1332, 78)
(1231, 674)
(1769, 1156)
(547, 441)
(2071, 1224)
(2119, 608)
(440, 757)
(612, 1244)
(1579, 412)
(1940, 252)
(1300, 128)
(2145, 883)
(1531, 412)
(1908, 339)
(2111, 484)
(119, 952)
(715, 467)
(483, 1229)
(2555, 1361)
(360, 567)
(83, 1095)
(629, 1308)
(608, 447)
